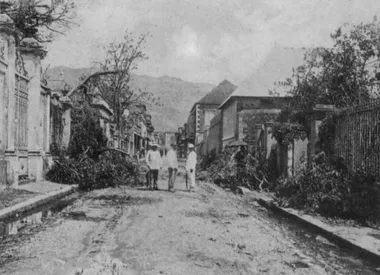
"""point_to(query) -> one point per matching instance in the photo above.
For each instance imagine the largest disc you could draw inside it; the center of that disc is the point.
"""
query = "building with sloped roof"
(205, 109)
(251, 104)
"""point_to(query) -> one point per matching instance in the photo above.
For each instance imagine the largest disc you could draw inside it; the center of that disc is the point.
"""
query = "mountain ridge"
(177, 95)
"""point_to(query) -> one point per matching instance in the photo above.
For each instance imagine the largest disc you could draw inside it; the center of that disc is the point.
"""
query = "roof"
(278, 66)
(218, 94)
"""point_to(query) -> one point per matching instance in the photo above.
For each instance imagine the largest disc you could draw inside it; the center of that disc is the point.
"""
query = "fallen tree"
(89, 163)
(232, 168)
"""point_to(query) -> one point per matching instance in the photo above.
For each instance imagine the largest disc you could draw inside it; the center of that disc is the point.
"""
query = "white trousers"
(191, 178)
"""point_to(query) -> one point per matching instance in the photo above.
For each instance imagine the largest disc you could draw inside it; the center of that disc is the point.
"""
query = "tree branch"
(89, 78)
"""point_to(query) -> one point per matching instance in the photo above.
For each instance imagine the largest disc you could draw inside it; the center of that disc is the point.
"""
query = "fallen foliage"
(233, 168)
(113, 169)
(327, 187)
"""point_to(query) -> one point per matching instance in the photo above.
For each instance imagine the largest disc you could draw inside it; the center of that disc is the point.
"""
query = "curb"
(20, 209)
(360, 250)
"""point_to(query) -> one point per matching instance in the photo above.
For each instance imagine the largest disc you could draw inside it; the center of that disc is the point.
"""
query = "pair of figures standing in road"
(154, 162)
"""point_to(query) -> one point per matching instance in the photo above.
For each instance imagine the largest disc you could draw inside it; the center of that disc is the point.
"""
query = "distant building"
(169, 138)
(136, 130)
(250, 106)
(203, 112)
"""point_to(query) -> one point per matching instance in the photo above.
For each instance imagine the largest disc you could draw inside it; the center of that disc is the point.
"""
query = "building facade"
(202, 114)
(240, 117)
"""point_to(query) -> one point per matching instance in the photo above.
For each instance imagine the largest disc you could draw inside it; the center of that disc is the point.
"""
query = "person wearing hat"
(191, 163)
(173, 165)
(154, 162)
(148, 174)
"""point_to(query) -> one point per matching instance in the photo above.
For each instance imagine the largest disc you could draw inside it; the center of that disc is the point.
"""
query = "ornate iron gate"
(21, 125)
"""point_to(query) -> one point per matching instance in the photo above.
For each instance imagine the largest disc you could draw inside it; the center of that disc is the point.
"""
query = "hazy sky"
(204, 40)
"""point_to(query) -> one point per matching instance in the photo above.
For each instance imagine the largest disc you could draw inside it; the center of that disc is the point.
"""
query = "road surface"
(135, 231)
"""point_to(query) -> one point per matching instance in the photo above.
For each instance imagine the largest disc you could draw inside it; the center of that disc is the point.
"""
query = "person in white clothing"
(148, 174)
(191, 163)
(154, 162)
(173, 166)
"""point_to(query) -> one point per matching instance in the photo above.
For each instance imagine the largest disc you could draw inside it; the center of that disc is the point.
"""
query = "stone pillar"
(8, 159)
(279, 159)
(3, 164)
(47, 158)
(258, 128)
(268, 140)
(32, 53)
(3, 90)
(47, 121)
(3, 94)
(66, 122)
(289, 166)
(257, 132)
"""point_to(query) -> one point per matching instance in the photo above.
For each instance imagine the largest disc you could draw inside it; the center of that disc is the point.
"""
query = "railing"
(357, 136)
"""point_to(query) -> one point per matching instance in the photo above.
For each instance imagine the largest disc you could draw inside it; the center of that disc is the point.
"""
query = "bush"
(328, 188)
(223, 169)
(89, 163)
(207, 160)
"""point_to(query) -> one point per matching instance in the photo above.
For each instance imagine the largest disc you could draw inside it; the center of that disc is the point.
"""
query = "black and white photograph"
(189, 137)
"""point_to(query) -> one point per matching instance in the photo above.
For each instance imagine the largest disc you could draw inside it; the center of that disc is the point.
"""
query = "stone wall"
(248, 119)
(24, 108)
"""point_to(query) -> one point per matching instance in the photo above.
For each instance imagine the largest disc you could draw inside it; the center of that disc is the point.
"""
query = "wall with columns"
(24, 109)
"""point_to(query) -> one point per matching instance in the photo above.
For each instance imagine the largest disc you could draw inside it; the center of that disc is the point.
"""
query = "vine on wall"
(286, 133)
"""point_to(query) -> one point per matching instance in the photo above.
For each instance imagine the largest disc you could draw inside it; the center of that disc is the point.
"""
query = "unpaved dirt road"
(132, 231)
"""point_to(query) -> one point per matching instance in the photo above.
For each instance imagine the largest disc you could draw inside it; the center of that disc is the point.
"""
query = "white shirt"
(172, 158)
(191, 161)
(153, 159)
